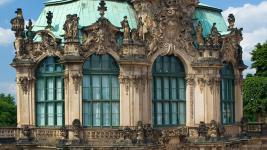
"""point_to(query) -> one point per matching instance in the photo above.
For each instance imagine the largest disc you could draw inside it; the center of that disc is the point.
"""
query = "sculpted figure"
(71, 27)
(75, 23)
(126, 28)
(215, 35)
(67, 27)
(231, 21)
(140, 29)
(199, 31)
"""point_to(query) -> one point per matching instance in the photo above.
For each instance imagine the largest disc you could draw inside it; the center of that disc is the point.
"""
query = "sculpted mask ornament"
(24, 84)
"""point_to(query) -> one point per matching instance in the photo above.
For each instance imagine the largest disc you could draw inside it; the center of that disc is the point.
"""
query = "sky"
(250, 14)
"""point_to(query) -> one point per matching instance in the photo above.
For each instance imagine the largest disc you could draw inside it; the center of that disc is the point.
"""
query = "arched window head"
(101, 100)
(169, 105)
(49, 91)
(227, 94)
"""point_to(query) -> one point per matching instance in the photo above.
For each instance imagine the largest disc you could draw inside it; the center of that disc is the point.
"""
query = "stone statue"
(140, 133)
(231, 21)
(49, 18)
(213, 130)
(71, 28)
(199, 31)
(126, 28)
(29, 33)
(202, 130)
(140, 29)
(215, 35)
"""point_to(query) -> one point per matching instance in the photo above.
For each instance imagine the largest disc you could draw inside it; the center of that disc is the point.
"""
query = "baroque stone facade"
(163, 28)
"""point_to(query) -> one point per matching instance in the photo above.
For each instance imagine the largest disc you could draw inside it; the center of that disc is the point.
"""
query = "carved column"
(135, 104)
(25, 85)
(73, 88)
(190, 103)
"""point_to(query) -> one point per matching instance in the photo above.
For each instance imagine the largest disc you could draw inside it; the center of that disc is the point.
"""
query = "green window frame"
(101, 92)
(169, 92)
(49, 93)
(227, 94)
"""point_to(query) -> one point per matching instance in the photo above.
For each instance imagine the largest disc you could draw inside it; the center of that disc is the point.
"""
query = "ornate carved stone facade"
(160, 28)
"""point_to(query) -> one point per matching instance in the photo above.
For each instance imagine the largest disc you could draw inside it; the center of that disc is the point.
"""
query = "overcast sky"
(250, 14)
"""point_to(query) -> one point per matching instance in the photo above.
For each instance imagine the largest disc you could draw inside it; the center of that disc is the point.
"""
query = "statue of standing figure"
(140, 29)
(199, 31)
(215, 35)
(71, 27)
(126, 28)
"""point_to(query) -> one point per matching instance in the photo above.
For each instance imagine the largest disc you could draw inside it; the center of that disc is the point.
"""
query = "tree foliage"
(8, 111)
(259, 59)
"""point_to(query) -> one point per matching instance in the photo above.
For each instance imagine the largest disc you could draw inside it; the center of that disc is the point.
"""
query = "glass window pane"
(50, 89)
(86, 87)
(166, 89)
(86, 114)
(106, 114)
(95, 62)
(96, 114)
(182, 113)
(115, 114)
(158, 89)
(105, 62)
(96, 87)
(158, 65)
(59, 88)
(166, 114)
(159, 114)
(59, 114)
(115, 88)
(181, 89)
(40, 114)
(40, 90)
(174, 89)
(50, 114)
(174, 113)
(105, 87)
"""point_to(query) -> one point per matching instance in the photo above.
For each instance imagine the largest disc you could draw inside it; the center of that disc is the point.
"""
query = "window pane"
(166, 114)
(50, 113)
(59, 114)
(174, 113)
(106, 114)
(115, 114)
(96, 87)
(166, 64)
(40, 114)
(158, 89)
(105, 87)
(182, 113)
(59, 89)
(158, 65)
(105, 62)
(50, 89)
(86, 114)
(96, 114)
(174, 89)
(40, 90)
(95, 62)
(181, 89)
(159, 114)
(115, 88)
(86, 87)
(166, 89)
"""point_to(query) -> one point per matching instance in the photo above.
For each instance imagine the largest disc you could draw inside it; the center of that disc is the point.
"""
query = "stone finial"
(18, 23)
(231, 21)
(49, 18)
(102, 8)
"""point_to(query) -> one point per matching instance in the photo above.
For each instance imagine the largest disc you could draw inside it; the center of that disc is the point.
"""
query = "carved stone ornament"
(201, 83)
(213, 130)
(126, 29)
(231, 21)
(63, 133)
(76, 78)
(202, 130)
(24, 83)
(18, 23)
(167, 26)
(71, 28)
(76, 127)
(199, 35)
(26, 132)
(100, 37)
(126, 81)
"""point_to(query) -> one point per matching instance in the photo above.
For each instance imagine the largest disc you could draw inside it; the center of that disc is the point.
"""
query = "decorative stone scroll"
(24, 83)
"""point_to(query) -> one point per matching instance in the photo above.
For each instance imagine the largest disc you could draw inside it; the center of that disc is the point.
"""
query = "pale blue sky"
(32, 8)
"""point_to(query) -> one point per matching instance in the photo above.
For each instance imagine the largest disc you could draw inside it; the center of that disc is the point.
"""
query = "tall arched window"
(101, 99)
(227, 94)
(50, 93)
(169, 105)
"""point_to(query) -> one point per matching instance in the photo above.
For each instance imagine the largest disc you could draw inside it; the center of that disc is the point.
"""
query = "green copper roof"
(116, 10)
(208, 15)
(87, 12)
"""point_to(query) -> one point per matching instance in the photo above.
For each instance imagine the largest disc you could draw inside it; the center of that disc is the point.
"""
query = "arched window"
(50, 93)
(227, 94)
(101, 99)
(169, 105)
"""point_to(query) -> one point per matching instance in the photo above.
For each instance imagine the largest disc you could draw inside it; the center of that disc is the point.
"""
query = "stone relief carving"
(76, 78)
(24, 83)
(126, 81)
